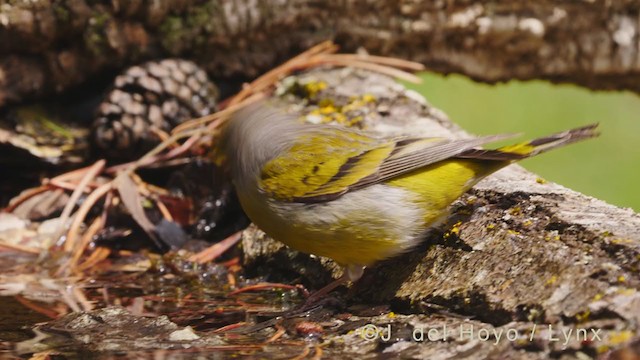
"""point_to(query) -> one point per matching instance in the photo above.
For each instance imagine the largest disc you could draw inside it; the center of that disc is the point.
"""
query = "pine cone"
(156, 94)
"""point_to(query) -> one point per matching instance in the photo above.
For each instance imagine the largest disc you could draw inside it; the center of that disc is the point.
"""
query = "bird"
(353, 196)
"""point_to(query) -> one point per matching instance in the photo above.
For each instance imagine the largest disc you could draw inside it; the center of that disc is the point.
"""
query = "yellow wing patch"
(323, 164)
(520, 149)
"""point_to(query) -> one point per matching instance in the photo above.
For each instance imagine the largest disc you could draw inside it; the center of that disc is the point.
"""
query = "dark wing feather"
(407, 156)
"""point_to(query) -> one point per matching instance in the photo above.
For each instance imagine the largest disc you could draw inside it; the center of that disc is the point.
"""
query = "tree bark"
(516, 251)
(47, 47)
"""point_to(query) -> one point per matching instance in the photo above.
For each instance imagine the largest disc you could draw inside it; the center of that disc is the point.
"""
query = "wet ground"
(159, 306)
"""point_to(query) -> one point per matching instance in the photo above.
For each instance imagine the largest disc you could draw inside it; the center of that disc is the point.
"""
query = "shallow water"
(127, 305)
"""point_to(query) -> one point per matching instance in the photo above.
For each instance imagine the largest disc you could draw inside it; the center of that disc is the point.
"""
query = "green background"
(607, 167)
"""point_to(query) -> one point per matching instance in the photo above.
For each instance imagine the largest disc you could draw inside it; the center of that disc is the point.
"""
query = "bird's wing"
(323, 162)
(413, 154)
(328, 163)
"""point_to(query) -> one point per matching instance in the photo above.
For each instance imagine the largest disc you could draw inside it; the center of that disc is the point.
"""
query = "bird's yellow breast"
(435, 187)
(360, 227)
(366, 225)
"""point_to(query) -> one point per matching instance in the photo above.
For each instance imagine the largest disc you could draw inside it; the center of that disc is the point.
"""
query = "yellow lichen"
(621, 241)
(314, 87)
(620, 337)
(548, 237)
(368, 98)
(582, 317)
(455, 230)
(626, 291)
(541, 180)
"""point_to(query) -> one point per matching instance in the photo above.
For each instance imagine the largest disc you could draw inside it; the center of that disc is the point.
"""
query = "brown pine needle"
(81, 299)
(263, 286)
(44, 355)
(216, 116)
(382, 69)
(154, 155)
(25, 249)
(318, 354)
(81, 214)
(163, 145)
(304, 354)
(99, 254)
(163, 210)
(380, 60)
(229, 327)
(60, 181)
(212, 252)
(279, 332)
(44, 310)
(87, 237)
(161, 134)
(73, 174)
(26, 195)
(324, 47)
(88, 176)
(65, 185)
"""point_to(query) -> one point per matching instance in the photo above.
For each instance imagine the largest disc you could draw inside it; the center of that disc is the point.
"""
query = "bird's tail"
(533, 147)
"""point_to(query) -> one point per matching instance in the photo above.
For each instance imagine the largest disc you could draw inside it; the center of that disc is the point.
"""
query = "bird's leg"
(351, 273)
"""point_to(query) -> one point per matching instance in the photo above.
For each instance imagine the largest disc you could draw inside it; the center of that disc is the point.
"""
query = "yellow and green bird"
(352, 197)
